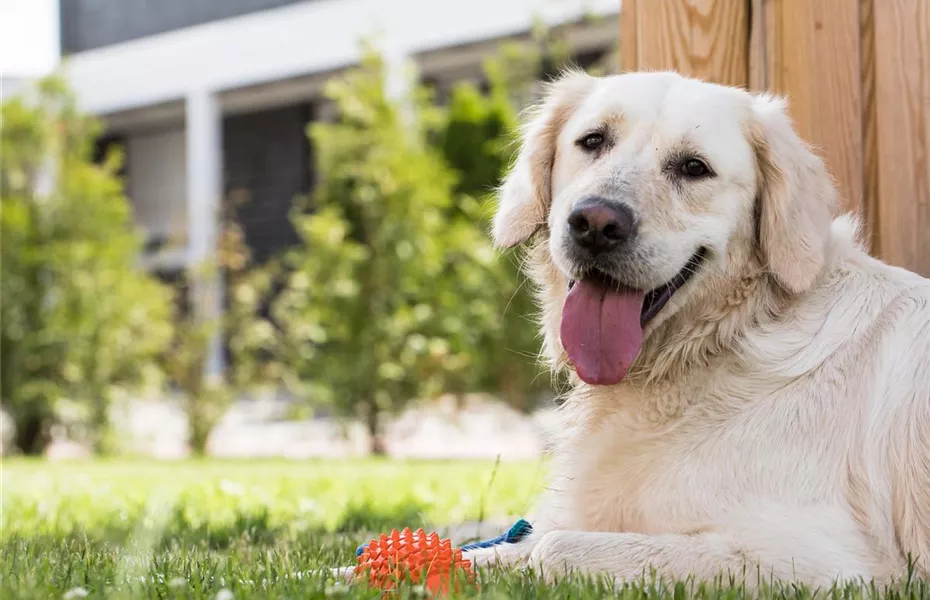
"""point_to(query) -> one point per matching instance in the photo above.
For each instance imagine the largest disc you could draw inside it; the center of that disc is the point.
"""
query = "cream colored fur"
(777, 420)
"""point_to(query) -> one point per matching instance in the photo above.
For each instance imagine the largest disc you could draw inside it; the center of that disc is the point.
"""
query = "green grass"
(270, 529)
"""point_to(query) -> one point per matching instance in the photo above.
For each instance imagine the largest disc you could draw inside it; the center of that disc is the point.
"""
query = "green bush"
(79, 318)
(388, 292)
(395, 292)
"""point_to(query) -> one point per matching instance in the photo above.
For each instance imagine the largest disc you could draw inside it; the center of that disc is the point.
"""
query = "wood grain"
(922, 102)
(870, 174)
(812, 55)
(629, 34)
(902, 98)
(757, 46)
(699, 38)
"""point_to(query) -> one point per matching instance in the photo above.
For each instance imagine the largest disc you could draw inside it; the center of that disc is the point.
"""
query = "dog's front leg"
(705, 556)
(630, 556)
(504, 555)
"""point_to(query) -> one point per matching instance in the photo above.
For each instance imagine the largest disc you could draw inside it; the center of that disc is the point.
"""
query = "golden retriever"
(750, 389)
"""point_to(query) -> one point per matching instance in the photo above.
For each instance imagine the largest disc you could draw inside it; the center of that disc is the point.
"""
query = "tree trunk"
(101, 432)
(199, 436)
(32, 434)
(201, 419)
(374, 435)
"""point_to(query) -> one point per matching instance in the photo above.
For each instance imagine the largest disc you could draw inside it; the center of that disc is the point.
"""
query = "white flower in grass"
(224, 594)
(336, 589)
(177, 582)
(77, 592)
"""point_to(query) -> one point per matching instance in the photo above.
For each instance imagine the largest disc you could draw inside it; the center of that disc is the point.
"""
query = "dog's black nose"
(598, 225)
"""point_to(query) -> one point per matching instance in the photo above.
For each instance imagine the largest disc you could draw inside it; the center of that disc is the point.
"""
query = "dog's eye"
(694, 168)
(592, 141)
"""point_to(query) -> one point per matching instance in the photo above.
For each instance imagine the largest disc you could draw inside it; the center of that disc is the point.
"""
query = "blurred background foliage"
(393, 293)
(79, 318)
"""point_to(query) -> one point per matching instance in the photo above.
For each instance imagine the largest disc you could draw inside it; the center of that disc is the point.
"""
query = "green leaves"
(396, 292)
(79, 318)
(370, 287)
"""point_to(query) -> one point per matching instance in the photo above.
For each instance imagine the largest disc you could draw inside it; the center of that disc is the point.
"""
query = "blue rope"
(517, 532)
(520, 530)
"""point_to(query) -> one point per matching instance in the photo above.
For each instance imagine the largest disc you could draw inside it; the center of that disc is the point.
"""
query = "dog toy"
(415, 557)
(423, 558)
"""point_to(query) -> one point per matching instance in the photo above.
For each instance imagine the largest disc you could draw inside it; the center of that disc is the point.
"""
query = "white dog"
(751, 390)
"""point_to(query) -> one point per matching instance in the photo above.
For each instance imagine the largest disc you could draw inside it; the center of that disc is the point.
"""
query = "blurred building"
(212, 97)
(28, 43)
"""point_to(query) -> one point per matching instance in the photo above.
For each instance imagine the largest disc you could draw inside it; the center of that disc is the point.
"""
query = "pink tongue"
(601, 331)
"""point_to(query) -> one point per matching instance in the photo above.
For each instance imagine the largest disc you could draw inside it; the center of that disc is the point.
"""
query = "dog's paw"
(502, 555)
(562, 553)
(553, 555)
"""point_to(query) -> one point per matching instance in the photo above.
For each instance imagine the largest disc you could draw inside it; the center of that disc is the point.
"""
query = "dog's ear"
(525, 194)
(796, 197)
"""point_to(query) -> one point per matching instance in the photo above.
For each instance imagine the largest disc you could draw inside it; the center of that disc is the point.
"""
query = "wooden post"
(857, 77)
(700, 38)
(811, 55)
(902, 131)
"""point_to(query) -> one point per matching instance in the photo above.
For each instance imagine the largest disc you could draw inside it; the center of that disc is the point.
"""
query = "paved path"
(482, 429)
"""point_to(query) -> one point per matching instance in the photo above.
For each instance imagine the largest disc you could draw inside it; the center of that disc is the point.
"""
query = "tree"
(395, 292)
(385, 291)
(78, 316)
(205, 396)
(477, 139)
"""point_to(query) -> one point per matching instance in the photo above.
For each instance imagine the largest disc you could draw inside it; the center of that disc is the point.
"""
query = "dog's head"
(654, 190)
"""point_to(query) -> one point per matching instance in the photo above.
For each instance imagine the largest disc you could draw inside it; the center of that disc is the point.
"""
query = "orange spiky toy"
(415, 557)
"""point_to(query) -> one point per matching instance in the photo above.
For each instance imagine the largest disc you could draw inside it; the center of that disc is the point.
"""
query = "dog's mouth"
(656, 299)
(603, 321)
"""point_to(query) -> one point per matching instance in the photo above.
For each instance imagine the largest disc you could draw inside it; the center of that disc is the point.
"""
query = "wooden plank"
(922, 102)
(757, 45)
(812, 56)
(902, 98)
(836, 48)
(699, 38)
(629, 26)
(870, 207)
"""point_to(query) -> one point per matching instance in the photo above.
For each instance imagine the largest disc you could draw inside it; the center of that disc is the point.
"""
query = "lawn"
(223, 530)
